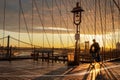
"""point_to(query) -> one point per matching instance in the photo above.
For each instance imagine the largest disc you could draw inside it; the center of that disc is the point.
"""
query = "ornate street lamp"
(77, 11)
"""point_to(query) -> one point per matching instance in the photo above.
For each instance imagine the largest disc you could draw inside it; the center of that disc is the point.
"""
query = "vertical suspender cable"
(52, 28)
(101, 24)
(43, 19)
(62, 45)
(95, 20)
(118, 26)
(113, 22)
(60, 23)
(53, 21)
(105, 22)
(67, 24)
(19, 24)
(107, 37)
(69, 18)
(117, 4)
(85, 27)
(32, 20)
(4, 21)
(62, 17)
(118, 23)
(113, 27)
(105, 8)
(41, 22)
(80, 34)
(88, 19)
(66, 8)
(26, 26)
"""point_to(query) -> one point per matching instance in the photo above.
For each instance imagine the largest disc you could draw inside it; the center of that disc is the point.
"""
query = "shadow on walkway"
(53, 75)
(88, 71)
(95, 72)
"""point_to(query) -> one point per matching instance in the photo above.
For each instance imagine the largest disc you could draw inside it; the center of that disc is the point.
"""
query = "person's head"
(94, 40)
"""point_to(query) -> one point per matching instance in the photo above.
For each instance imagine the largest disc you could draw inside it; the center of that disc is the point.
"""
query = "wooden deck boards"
(29, 70)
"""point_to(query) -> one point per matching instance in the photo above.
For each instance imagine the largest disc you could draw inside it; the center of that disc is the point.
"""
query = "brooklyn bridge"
(52, 39)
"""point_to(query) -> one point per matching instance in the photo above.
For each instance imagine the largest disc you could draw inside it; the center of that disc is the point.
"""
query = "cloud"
(51, 29)
(59, 22)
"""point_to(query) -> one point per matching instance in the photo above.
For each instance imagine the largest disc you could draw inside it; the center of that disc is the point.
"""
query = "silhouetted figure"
(94, 51)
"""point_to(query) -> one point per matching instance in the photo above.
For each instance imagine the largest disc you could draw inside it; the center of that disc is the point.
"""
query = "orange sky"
(48, 20)
(63, 40)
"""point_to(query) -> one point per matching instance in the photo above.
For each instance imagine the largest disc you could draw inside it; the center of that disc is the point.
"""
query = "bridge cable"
(62, 18)
(68, 15)
(105, 8)
(101, 24)
(19, 24)
(67, 23)
(24, 42)
(88, 18)
(3, 38)
(32, 20)
(26, 26)
(61, 24)
(84, 31)
(117, 5)
(41, 22)
(4, 20)
(52, 26)
(53, 21)
(107, 39)
(118, 23)
(95, 19)
(113, 27)
(51, 14)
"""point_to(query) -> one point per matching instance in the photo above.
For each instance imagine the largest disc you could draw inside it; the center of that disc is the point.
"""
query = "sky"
(48, 22)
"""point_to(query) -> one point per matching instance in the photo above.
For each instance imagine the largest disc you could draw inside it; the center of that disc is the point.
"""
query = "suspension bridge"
(35, 35)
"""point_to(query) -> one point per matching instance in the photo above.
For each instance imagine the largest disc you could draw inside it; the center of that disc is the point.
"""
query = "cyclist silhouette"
(94, 51)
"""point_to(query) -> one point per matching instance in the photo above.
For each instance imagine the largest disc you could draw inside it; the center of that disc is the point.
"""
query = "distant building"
(86, 46)
(118, 46)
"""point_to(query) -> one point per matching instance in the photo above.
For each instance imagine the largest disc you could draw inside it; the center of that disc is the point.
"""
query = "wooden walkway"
(95, 71)
(30, 70)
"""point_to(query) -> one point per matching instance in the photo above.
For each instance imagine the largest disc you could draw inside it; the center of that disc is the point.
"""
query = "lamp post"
(77, 11)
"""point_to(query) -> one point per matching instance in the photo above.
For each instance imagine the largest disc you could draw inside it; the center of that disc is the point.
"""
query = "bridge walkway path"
(32, 70)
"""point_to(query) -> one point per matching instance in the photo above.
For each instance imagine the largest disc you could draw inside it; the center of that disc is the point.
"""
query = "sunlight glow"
(53, 28)
(62, 40)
